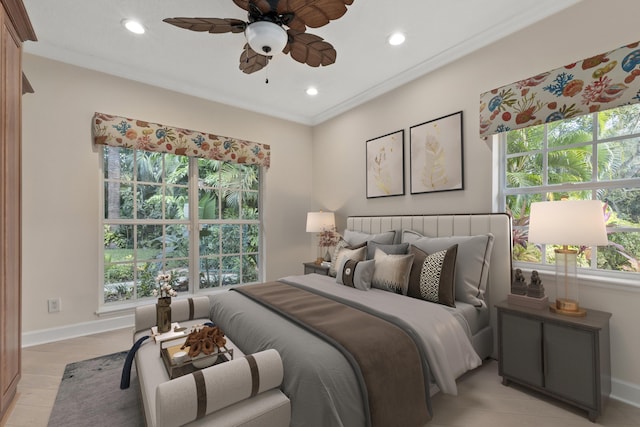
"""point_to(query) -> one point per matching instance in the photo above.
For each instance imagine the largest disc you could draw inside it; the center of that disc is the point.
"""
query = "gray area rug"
(90, 395)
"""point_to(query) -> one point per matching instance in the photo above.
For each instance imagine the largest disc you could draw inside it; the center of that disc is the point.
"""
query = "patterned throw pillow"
(356, 274)
(432, 277)
(340, 245)
(472, 267)
(392, 272)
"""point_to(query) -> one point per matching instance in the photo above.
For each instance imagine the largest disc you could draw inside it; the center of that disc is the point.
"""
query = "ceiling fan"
(265, 32)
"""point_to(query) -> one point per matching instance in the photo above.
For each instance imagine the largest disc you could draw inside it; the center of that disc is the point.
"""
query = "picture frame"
(385, 165)
(436, 156)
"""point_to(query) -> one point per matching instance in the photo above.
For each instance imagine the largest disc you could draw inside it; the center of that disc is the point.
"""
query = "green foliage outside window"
(588, 157)
(149, 224)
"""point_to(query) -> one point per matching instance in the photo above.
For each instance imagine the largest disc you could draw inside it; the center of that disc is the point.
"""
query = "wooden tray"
(175, 370)
(525, 301)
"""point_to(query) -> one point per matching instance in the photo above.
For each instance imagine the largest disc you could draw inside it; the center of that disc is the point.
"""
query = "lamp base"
(568, 307)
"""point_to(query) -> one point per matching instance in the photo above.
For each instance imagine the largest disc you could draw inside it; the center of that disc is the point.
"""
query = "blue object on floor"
(126, 370)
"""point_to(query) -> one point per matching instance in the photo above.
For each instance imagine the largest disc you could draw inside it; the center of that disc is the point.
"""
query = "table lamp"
(317, 222)
(567, 222)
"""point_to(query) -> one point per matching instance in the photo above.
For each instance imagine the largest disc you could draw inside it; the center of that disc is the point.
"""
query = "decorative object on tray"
(436, 155)
(519, 283)
(163, 308)
(204, 342)
(535, 288)
(385, 165)
(531, 296)
(173, 333)
(204, 346)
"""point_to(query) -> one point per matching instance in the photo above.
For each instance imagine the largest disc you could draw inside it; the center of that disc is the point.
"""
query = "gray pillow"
(355, 238)
(392, 272)
(357, 274)
(399, 249)
(472, 264)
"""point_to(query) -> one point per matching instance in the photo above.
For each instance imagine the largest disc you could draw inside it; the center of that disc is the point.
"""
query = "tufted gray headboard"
(498, 224)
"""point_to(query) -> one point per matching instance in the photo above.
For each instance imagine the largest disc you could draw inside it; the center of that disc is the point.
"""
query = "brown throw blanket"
(386, 359)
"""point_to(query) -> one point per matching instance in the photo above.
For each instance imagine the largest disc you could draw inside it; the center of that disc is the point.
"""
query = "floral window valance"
(601, 82)
(123, 132)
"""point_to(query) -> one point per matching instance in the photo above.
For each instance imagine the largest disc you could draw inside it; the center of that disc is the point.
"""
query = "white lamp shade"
(320, 221)
(568, 222)
(266, 38)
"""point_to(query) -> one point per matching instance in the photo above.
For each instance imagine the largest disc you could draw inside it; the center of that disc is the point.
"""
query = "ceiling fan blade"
(309, 49)
(264, 6)
(250, 61)
(313, 13)
(211, 25)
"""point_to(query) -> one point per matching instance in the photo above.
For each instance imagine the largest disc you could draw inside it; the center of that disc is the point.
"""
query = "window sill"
(595, 279)
(125, 308)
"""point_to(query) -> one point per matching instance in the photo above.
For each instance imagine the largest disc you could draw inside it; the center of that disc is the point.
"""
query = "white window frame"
(193, 224)
(625, 278)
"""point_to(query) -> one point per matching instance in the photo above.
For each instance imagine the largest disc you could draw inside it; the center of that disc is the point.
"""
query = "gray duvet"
(317, 378)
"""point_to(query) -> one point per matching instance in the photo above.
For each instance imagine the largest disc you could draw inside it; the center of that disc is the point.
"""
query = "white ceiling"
(88, 33)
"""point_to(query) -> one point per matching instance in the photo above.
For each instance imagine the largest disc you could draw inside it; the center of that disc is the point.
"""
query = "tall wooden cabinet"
(15, 28)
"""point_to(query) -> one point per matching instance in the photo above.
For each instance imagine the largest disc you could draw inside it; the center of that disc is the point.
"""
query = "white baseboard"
(625, 392)
(621, 390)
(44, 336)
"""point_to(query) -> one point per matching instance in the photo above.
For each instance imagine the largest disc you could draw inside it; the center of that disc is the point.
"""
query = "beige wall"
(339, 144)
(61, 183)
(60, 180)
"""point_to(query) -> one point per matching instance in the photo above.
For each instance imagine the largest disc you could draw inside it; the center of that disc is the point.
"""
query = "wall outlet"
(54, 304)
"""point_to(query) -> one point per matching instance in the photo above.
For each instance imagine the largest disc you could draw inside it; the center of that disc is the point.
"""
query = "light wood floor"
(482, 399)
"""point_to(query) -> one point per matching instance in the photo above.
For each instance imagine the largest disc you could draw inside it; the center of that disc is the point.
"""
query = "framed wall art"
(385, 165)
(436, 155)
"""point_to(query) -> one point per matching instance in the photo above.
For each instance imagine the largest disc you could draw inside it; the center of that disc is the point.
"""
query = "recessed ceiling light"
(396, 39)
(312, 91)
(133, 26)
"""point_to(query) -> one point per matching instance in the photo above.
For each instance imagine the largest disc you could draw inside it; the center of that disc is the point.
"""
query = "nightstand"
(312, 267)
(565, 357)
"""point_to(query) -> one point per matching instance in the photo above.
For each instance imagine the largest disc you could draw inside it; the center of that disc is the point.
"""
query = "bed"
(325, 385)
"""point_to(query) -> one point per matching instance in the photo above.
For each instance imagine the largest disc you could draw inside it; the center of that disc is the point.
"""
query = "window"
(148, 223)
(595, 156)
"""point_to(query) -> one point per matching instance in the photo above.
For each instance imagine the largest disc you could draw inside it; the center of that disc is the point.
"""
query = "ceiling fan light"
(266, 38)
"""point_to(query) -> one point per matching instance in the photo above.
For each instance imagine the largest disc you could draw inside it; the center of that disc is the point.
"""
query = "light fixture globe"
(266, 38)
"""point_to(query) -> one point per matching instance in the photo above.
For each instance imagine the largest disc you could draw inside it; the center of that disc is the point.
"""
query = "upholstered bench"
(241, 392)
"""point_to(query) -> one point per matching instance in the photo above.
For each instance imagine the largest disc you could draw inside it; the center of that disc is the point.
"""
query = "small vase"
(163, 314)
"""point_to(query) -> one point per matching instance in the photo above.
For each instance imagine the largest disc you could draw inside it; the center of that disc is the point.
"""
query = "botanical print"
(385, 165)
(123, 132)
(601, 82)
(436, 155)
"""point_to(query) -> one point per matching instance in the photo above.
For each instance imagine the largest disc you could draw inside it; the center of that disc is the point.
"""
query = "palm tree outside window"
(195, 218)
